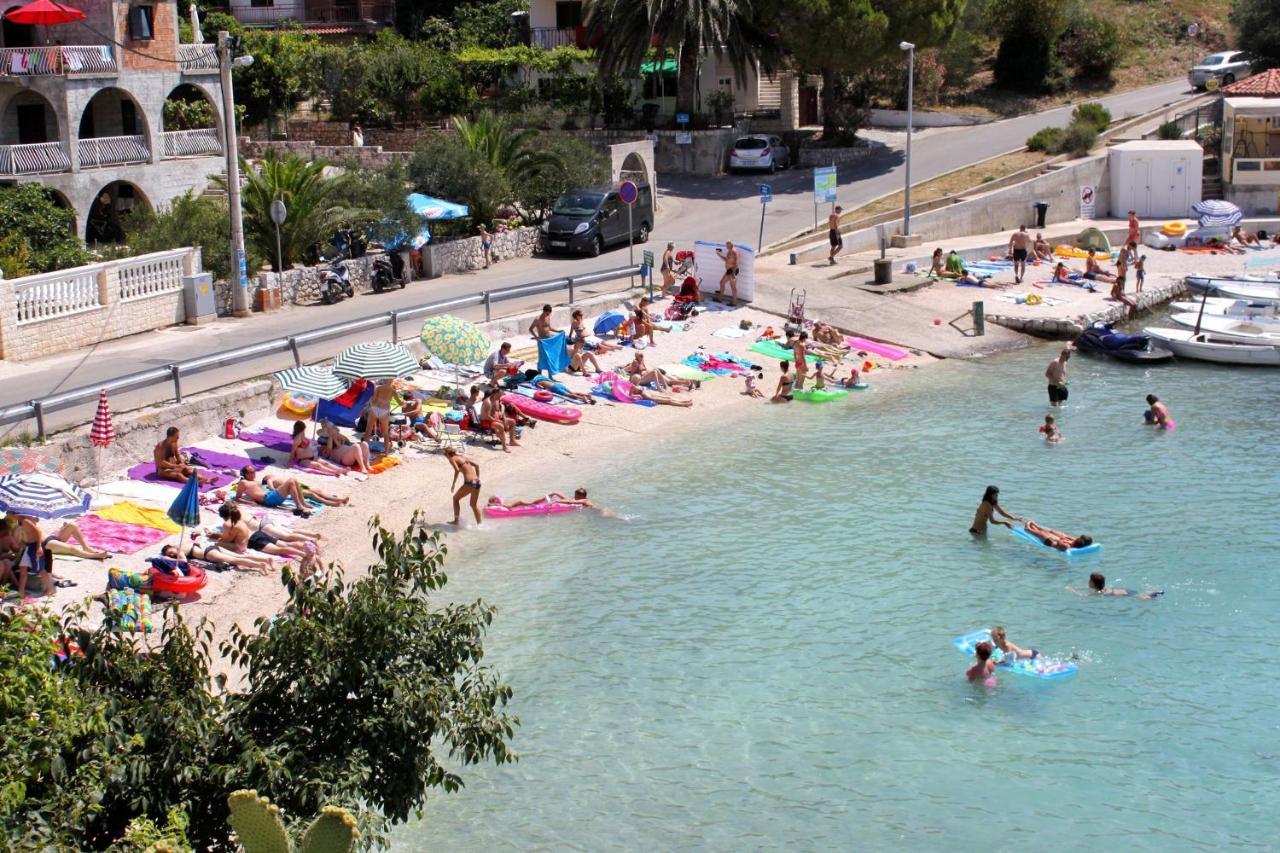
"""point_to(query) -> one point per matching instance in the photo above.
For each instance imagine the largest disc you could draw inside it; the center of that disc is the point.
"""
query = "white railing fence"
(39, 158)
(57, 294)
(192, 143)
(113, 151)
(56, 60)
(151, 275)
(198, 57)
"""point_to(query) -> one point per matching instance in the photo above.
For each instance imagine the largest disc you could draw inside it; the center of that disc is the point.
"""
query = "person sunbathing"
(641, 374)
(70, 542)
(1245, 238)
(305, 454)
(342, 450)
(1043, 251)
(579, 358)
(830, 335)
(1056, 538)
(1063, 274)
(240, 534)
(493, 418)
(290, 535)
(1094, 272)
(213, 554)
(641, 325)
(578, 332)
(664, 399)
(273, 491)
(170, 463)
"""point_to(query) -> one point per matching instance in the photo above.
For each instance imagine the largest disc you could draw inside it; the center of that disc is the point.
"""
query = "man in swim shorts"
(1019, 243)
(984, 670)
(274, 491)
(1098, 586)
(1056, 374)
(833, 234)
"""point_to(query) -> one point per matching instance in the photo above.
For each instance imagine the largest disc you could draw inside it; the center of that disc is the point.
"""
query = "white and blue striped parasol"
(43, 495)
(1215, 213)
(319, 382)
(375, 360)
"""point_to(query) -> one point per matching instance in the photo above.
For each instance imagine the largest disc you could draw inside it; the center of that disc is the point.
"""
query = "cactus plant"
(260, 828)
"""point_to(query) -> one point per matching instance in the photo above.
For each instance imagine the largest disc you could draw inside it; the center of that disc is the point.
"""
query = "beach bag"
(231, 428)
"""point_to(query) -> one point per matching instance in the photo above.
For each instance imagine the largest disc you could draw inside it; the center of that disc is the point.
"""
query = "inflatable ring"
(1174, 229)
(296, 407)
(542, 395)
(187, 584)
(1034, 299)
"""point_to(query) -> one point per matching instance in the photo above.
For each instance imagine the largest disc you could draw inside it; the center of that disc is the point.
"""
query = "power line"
(213, 49)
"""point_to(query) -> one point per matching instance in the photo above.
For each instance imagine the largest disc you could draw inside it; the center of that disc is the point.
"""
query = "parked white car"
(767, 153)
(1226, 67)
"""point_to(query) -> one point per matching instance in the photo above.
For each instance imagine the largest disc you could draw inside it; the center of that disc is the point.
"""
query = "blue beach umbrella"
(431, 209)
(608, 321)
(42, 494)
(185, 509)
(1216, 213)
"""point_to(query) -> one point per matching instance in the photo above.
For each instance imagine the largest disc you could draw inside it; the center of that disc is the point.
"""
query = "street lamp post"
(911, 79)
(240, 285)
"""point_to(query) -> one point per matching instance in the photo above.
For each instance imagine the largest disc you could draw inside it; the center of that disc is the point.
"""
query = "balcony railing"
(191, 143)
(40, 158)
(113, 151)
(380, 12)
(1258, 171)
(549, 38)
(198, 58)
(56, 294)
(57, 61)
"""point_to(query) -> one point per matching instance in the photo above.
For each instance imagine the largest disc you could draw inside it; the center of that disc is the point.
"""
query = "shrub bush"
(1169, 130)
(1045, 139)
(1091, 45)
(31, 214)
(1078, 139)
(1093, 114)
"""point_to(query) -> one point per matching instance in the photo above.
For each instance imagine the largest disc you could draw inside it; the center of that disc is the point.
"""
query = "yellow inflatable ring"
(295, 407)
(1174, 229)
(1034, 299)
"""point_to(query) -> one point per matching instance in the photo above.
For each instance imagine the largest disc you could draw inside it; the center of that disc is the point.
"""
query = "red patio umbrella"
(103, 432)
(44, 12)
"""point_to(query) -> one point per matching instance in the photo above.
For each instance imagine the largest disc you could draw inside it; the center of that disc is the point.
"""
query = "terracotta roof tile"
(1264, 85)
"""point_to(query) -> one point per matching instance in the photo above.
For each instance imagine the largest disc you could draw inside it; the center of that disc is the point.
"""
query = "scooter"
(388, 272)
(335, 282)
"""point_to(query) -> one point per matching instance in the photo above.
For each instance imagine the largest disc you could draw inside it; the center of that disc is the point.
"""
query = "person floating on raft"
(1056, 538)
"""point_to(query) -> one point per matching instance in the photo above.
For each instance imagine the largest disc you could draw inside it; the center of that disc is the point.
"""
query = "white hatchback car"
(767, 153)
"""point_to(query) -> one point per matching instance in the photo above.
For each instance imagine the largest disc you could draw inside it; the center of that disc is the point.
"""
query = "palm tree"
(509, 155)
(626, 30)
(309, 197)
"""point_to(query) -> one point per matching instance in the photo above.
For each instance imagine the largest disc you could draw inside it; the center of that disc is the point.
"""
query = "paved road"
(715, 208)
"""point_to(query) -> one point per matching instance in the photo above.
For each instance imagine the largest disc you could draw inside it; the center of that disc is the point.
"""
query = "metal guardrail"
(173, 373)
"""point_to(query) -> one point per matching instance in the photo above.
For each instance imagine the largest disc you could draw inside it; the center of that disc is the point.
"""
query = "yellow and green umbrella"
(454, 341)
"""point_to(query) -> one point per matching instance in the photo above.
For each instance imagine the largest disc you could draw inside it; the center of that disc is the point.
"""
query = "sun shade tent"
(1092, 238)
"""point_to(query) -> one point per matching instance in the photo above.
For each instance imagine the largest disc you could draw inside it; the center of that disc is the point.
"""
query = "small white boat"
(1207, 346)
(1225, 307)
(1246, 331)
(1214, 283)
(1267, 294)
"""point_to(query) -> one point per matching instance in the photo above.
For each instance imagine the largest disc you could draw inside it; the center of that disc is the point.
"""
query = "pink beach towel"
(117, 536)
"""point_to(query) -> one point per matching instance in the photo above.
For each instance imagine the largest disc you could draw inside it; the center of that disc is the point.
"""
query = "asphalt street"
(725, 207)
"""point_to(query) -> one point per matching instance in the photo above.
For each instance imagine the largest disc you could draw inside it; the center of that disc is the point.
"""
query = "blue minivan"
(588, 221)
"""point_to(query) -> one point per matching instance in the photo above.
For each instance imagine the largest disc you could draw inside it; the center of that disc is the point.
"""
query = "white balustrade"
(150, 275)
(40, 158)
(57, 60)
(196, 58)
(112, 151)
(57, 294)
(192, 143)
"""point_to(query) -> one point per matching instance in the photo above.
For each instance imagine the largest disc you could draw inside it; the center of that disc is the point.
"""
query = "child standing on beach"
(1050, 430)
(752, 389)
(1140, 270)
(984, 670)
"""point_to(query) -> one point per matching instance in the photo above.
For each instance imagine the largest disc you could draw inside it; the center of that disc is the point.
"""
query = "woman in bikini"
(578, 332)
(305, 454)
(987, 511)
(469, 470)
(239, 537)
(1056, 538)
(493, 418)
(214, 554)
(785, 383)
(579, 358)
(69, 541)
(343, 450)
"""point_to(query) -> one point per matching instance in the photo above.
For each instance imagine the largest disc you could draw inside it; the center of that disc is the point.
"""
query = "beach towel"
(271, 439)
(383, 463)
(216, 460)
(137, 491)
(730, 332)
(146, 472)
(686, 371)
(553, 354)
(117, 536)
(129, 512)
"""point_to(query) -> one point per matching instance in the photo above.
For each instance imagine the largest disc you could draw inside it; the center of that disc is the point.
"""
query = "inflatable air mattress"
(820, 395)
(1036, 667)
(542, 411)
(777, 352)
(537, 509)
(1022, 533)
(889, 352)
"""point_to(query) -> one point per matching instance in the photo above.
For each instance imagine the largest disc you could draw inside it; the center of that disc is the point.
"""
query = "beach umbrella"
(103, 432)
(375, 360)
(436, 208)
(27, 460)
(44, 12)
(454, 341)
(185, 509)
(43, 495)
(1214, 213)
(608, 321)
(320, 382)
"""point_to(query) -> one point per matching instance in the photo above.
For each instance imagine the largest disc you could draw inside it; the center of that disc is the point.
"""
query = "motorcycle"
(388, 272)
(335, 282)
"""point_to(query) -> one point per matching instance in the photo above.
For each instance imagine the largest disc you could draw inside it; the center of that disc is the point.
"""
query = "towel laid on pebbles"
(118, 537)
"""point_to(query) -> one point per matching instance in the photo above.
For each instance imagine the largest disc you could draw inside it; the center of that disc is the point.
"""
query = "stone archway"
(109, 210)
(634, 168)
(28, 119)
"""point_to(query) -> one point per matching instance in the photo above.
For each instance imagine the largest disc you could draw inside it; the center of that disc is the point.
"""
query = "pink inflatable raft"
(542, 411)
(889, 352)
(541, 508)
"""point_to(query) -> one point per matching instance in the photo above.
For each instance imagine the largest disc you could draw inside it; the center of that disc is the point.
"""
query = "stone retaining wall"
(451, 256)
(1068, 328)
(835, 156)
(299, 285)
(365, 156)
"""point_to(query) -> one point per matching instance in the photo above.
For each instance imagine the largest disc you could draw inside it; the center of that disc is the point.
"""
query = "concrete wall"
(452, 256)
(923, 118)
(365, 156)
(837, 156)
(705, 155)
(1253, 200)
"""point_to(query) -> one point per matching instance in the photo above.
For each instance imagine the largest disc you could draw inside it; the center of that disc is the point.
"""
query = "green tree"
(373, 201)
(1027, 59)
(1257, 29)
(392, 79)
(445, 167)
(31, 214)
(628, 31)
(576, 164)
(286, 70)
(189, 220)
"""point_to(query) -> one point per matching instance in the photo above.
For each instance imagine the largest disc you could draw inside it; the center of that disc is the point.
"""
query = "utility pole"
(239, 271)
(911, 79)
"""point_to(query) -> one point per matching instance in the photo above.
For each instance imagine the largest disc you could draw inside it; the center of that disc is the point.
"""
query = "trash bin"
(883, 270)
(1042, 211)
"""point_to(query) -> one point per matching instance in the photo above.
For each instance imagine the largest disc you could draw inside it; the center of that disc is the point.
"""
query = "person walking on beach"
(469, 470)
(1056, 373)
(730, 257)
(987, 511)
(800, 352)
(668, 270)
(1019, 243)
(1135, 229)
(833, 233)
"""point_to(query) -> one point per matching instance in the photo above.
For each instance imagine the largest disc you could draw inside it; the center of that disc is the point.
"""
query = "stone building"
(82, 110)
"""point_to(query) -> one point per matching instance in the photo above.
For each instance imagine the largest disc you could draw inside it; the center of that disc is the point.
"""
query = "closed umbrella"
(1215, 213)
(454, 341)
(375, 360)
(608, 321)
(27, 460)
(44, 12)
(185, 509)
(103, 431)
(43, 495)
(320, 382)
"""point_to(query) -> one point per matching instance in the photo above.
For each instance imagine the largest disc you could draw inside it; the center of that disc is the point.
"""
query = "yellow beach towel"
(132, 513)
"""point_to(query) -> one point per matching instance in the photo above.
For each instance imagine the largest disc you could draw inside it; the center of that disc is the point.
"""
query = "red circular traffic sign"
(628, 192)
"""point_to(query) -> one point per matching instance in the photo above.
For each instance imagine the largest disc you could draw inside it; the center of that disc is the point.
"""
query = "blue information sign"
(682, 118)
(766, 193)
(825, 186)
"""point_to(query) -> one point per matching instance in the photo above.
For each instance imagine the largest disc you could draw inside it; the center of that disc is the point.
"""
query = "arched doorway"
(113, 130)
(634, 169)
(17, 35)
(191, 123)
(28, 119)
(110, 211)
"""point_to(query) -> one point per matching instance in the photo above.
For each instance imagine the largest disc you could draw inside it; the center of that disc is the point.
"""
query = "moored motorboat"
(1100, 339)
(1214, 283)
(1207, 346)
(1266, 294)
(1224, 306)
(1244, 330)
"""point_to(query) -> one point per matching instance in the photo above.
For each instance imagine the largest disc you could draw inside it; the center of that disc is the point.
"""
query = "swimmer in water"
(1050, 430)
(987, 513)
(1098, 586)
(1056, 538)
(984, 670)
(1157, 413)
(1011, 652)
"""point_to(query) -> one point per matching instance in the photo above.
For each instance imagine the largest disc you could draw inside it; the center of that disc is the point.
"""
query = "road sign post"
(766, 196)
(825, 189)
(683, 139)
(278, 214)
(628, 192)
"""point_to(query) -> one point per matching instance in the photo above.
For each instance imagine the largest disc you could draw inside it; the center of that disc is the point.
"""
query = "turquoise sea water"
(761, 658)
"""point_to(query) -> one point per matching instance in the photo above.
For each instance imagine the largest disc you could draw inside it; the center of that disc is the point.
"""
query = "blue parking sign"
(766, 193)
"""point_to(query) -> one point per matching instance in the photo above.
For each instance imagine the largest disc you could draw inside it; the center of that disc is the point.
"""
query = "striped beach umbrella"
(103, 432)
(454, 341)
(319, 382)
(1216, 213)
(375, 360)
(42, 495)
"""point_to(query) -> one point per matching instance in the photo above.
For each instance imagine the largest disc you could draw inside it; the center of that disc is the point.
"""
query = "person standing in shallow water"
(1056, 374)
(987, 512)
